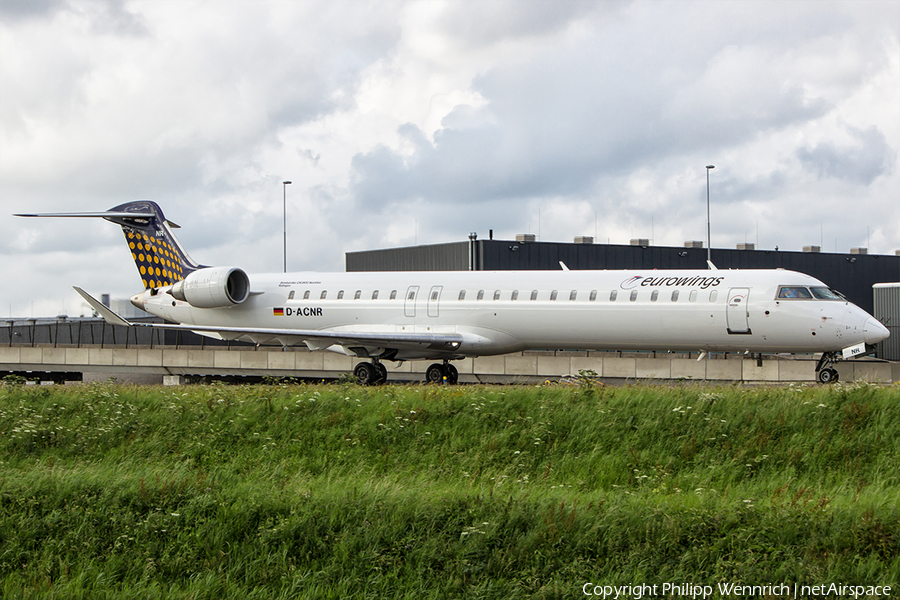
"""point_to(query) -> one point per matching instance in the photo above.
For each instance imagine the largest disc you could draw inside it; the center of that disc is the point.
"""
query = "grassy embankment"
(427, 492)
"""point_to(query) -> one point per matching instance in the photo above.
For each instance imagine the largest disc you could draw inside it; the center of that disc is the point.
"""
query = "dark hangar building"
(852, 274)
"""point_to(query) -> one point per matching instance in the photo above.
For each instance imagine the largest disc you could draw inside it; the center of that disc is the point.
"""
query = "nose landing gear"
(825, 372)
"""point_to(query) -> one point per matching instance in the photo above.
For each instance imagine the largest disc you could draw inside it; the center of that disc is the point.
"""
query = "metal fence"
(97, 332)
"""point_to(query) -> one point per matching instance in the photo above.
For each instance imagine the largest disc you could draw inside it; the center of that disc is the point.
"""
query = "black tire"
(382, 373)
(435, 374)
(452, 374)
(365, 373)
(828, 375)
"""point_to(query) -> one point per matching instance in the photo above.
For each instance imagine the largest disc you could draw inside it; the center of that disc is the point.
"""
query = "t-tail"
(159, 257)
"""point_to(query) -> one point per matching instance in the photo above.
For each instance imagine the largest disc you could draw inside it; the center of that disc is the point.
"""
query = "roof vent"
(640, 242)
(524, 237)
(859, 250)
(812, 248)
(584, 239)
(746, 246)
(693, 244)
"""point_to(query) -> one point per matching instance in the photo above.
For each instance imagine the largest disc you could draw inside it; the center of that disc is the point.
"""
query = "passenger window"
(693, 296)
(340, 295)
(654, 296)
(291, 295)
(674, 295)
(412, 295)
(713, 295)
(480, 295)
(357, 295)
(497, 295)
(553, 295)
(434, 295)
(534, 294)
(462, 294)
(393, 294)
(633, 296)
(593, 297)
(572, 295)
(375, 295)
(306, 295)
(613, 295)
(515, 295)
(323, 294)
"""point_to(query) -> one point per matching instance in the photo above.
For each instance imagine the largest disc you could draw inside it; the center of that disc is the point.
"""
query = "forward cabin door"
(738, 311)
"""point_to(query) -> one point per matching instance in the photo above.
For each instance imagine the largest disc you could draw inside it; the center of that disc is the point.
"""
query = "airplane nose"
(874, 332)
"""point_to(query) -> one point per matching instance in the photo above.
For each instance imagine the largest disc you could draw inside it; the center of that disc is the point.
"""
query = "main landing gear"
(825, 372)
(442, 373)
(373, 373)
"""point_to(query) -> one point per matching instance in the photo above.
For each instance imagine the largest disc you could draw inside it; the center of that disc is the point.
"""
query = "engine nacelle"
(213, 287)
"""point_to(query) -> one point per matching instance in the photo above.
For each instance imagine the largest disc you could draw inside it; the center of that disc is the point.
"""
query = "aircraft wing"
(315, 339)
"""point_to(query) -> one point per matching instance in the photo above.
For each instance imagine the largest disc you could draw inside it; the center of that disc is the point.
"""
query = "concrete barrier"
(517, 367)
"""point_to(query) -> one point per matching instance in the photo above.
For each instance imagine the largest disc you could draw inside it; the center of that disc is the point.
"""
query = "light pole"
(708, 235)
(284, 210)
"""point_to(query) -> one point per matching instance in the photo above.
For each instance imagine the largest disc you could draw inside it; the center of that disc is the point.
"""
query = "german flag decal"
(278, 312)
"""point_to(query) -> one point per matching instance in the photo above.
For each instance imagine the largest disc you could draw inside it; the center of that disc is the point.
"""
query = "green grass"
(341, 491)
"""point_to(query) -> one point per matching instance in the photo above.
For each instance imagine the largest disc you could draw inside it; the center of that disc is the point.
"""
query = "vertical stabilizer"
(158, 255)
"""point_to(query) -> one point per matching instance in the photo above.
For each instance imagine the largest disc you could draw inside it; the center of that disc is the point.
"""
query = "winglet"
(110, 317)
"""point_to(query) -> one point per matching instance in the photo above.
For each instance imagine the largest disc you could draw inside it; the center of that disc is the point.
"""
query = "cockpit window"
(823, 293)
(796, 292)
(791, 292)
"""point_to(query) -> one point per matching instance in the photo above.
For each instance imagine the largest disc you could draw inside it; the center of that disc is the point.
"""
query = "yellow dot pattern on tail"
(156, 260)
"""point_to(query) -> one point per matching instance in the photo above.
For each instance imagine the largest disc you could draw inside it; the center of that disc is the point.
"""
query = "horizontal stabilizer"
(108, 315)
(87, 215)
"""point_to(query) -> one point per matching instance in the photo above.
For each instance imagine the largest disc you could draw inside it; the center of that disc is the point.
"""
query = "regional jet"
(449, 315)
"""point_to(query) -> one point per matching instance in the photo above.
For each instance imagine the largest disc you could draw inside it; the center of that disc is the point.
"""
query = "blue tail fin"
(159, 257)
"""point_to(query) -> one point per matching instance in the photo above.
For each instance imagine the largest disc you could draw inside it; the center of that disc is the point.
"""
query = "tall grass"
(430, 492)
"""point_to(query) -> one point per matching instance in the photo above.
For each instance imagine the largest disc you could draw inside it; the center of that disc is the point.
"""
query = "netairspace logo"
(727, 590)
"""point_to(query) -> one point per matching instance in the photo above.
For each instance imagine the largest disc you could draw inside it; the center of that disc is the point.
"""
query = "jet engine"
(213, 287)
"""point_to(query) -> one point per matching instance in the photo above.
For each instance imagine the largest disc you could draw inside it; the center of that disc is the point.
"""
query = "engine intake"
(213, 287)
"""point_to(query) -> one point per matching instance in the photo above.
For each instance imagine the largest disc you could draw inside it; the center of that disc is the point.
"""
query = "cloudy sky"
(404, 122)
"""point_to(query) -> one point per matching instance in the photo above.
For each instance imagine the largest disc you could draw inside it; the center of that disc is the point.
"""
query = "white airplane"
(450, 315)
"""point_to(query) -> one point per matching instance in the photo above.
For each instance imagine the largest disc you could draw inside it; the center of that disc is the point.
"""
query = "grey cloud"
(487, 21)
(556, 124)
(19, 10)
(861, 163)
(105, 16)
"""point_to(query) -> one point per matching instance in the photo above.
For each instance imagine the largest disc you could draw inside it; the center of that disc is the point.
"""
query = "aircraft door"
(738, 311)
(434, 298)
(409, 303)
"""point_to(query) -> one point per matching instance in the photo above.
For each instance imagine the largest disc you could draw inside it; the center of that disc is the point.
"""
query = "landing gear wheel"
(365, 373)
(452, 374)
(828, 375)
(435, 374)
(382, 372)
(445, 373)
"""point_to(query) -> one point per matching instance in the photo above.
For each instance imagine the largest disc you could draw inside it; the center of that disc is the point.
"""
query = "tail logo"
(156, 260)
